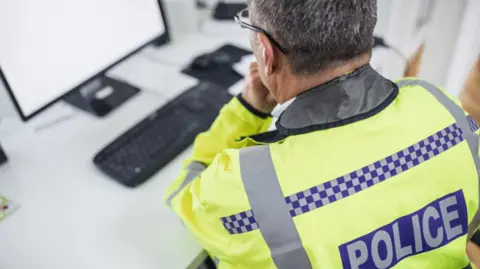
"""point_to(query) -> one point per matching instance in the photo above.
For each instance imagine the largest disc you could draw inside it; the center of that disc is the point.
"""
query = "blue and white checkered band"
(359, 180)
(473, 125)
(240, 223)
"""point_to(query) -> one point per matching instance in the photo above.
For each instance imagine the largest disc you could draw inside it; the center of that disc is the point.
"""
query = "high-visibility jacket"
(360, 173)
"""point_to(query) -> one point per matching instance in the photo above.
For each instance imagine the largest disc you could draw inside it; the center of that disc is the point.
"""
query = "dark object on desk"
(151, 144)
(227, 11)
(217, 66)
(211, 61)
(3, 156)
(101, 95)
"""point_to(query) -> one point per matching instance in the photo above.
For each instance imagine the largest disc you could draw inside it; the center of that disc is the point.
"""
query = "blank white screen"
(47, 47)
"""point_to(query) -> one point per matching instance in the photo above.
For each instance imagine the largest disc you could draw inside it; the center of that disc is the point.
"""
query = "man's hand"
(473, 252)
(255, 93)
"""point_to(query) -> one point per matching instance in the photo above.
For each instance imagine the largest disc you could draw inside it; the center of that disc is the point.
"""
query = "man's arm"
(473, 252)
(214, 194)
(196, 196)
(247, 114)
(236, 119)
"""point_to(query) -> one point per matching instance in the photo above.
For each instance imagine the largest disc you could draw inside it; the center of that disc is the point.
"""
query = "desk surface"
(71, 215)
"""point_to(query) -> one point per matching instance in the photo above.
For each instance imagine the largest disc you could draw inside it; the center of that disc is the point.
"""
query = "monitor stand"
(101, 95)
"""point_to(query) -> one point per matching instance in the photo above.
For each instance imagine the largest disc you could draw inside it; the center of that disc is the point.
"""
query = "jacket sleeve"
(197, 196)
(214, 194)
(236, 120)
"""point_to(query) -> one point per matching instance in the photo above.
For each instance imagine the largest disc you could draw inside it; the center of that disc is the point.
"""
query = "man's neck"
(296, 85)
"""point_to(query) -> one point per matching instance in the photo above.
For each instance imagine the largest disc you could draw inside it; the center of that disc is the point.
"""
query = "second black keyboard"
(151, 144)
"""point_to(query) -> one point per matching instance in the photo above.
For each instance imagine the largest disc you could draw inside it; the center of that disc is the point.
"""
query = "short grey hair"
(318, 33)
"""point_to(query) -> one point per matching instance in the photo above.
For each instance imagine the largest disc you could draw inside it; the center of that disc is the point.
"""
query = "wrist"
(255, 111)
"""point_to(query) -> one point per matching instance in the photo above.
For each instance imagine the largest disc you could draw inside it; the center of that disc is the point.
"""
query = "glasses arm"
(250, 27)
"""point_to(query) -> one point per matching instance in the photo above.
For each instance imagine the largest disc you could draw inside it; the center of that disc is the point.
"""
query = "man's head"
(319, 35)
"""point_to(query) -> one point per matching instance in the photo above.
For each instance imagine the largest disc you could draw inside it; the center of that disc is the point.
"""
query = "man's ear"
(268, 53)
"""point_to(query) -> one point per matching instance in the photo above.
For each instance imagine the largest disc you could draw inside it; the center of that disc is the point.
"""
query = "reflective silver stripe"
(462, 122)
(194, 170)
(271, 212)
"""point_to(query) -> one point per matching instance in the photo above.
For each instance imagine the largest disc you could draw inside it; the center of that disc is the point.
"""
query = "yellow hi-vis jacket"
(360, 173)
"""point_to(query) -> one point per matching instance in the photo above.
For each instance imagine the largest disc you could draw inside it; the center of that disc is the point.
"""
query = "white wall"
(467, 48)
(441, 40)
(384, 11)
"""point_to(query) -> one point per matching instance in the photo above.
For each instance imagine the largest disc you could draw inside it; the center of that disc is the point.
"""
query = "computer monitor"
(60, 49)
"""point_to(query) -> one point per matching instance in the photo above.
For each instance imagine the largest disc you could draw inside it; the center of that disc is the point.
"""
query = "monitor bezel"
(160, 40)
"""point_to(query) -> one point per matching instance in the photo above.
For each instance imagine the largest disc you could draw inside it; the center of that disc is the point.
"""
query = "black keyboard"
(151, 144)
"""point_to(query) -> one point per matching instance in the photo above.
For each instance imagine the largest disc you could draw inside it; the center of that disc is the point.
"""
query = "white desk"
(187, 47)
(71, 215)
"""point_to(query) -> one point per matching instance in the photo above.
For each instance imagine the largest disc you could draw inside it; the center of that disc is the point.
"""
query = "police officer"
(361, 172)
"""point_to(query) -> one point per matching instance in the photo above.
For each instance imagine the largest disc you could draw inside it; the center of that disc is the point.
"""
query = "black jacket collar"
(347, 99)
(355, 96)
